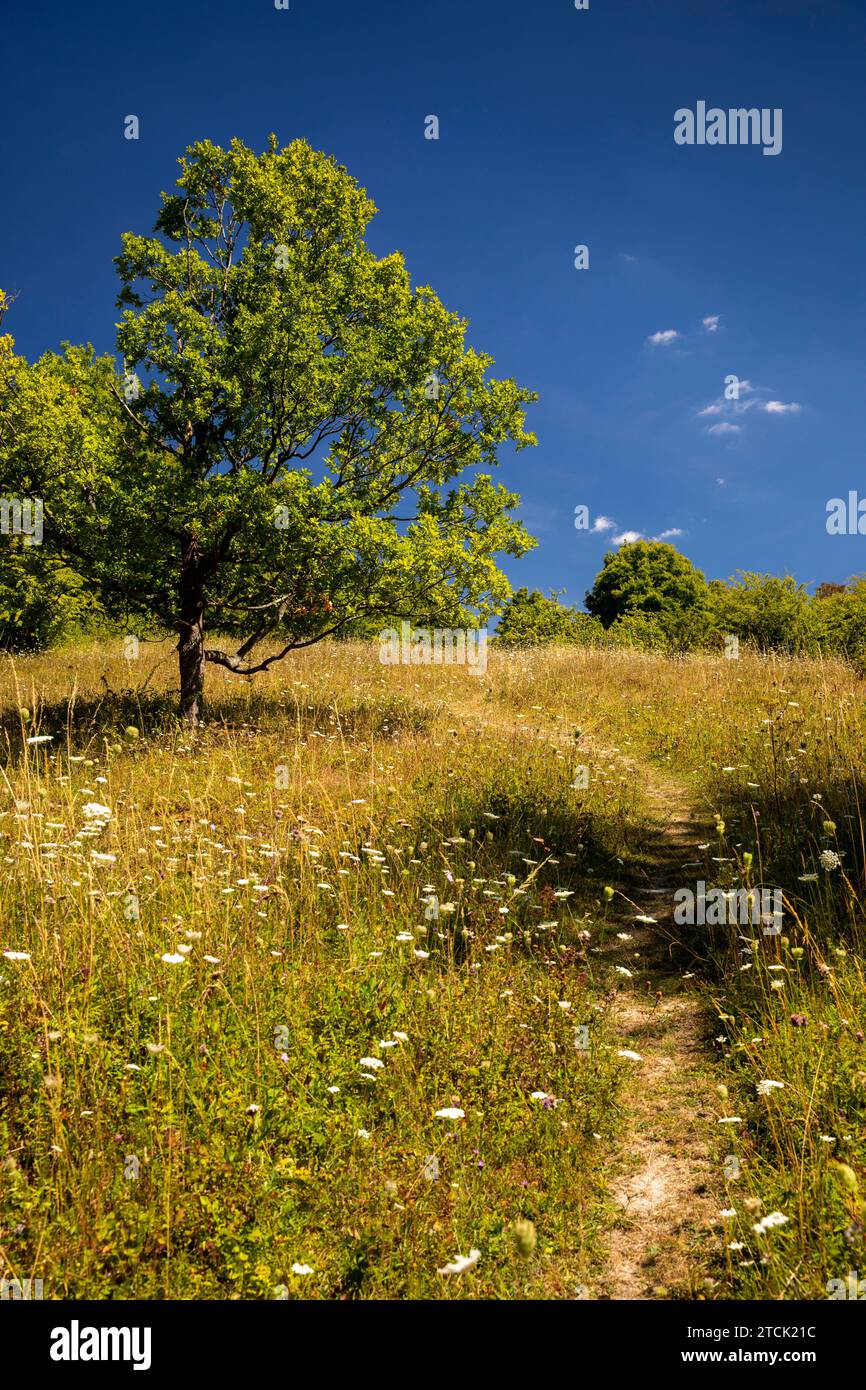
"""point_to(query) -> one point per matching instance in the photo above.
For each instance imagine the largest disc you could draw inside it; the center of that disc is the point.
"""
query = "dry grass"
(171, 1129)
(295, 840)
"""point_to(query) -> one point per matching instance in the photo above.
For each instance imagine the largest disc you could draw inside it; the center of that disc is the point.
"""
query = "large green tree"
(296, 440)
(645, 577)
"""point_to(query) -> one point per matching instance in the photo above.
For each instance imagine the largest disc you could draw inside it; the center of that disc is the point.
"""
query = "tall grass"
(345, 864)
(776, 751)
(350, 861)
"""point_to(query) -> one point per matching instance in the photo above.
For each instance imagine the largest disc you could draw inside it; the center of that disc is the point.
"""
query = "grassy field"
(244, 968)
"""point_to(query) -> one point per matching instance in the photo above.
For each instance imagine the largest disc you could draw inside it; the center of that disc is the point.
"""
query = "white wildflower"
(767, 1223)
(461, 1263)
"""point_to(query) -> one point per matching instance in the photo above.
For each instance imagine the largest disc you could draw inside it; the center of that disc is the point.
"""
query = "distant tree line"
(648, 595)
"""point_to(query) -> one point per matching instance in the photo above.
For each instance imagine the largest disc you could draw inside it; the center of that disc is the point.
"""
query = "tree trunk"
(190, 645)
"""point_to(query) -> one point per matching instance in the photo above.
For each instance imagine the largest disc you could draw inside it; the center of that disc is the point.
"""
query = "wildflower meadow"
(432, 684)
(321, 1000)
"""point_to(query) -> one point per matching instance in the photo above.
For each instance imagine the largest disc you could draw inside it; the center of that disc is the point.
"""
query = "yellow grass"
(171, 1129)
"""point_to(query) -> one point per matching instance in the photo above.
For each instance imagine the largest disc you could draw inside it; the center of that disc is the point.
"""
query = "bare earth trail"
(666, 1183)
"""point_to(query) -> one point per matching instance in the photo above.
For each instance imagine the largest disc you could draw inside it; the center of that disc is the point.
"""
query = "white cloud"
(733, 407)
(720, 482)
(603, 523)
(666, 335)
(629, 537)
(711, 322)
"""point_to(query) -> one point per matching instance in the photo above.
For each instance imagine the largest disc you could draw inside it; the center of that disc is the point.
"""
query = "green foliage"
(530, 619)
(644, 631)
(837, 622)
(692, 630)
(61, 440)
(39, 602)
(301, 436)
(41, 597)
(644, 577)
(662, 604)
(762, 609)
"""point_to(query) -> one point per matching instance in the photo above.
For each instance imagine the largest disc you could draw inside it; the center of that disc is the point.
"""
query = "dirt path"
(666, 1185)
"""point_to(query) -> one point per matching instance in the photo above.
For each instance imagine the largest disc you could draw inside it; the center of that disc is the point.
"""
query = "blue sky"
(556, 129)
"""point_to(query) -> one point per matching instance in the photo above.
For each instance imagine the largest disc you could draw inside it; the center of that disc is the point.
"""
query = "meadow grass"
(347, 863)
(774, 750)
(206, 932)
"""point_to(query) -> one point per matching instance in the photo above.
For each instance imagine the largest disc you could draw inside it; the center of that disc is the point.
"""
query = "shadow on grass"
(528, 834)
(812, 845)
(80, 723)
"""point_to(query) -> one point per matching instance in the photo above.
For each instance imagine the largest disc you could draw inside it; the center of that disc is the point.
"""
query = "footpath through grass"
(245, 970)
(775, 753)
